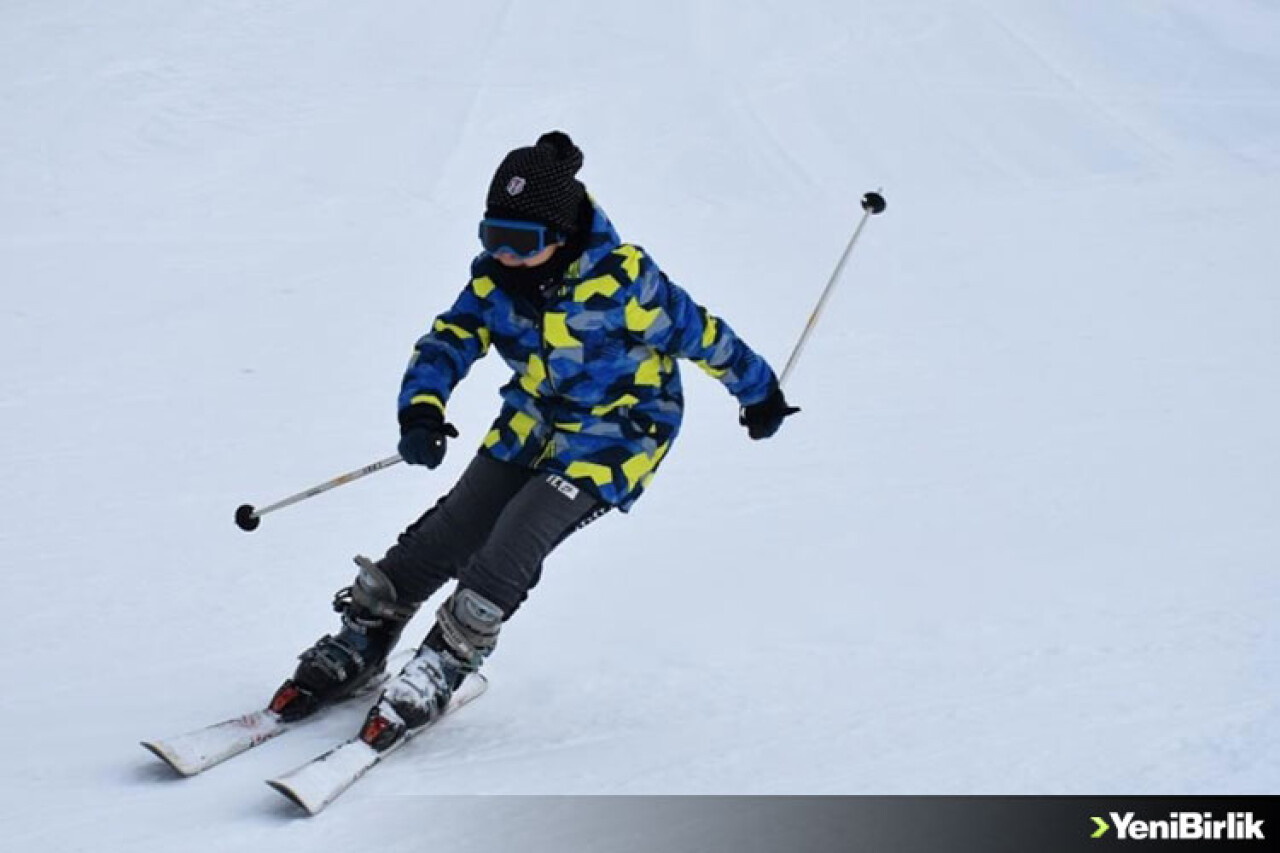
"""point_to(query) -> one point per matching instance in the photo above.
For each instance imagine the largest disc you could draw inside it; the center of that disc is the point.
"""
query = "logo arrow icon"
(1102, 828)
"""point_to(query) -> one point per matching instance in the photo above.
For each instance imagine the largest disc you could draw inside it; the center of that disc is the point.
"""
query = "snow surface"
(1022, 539)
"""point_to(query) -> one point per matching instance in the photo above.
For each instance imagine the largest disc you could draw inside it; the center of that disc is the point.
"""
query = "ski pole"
(248, 518)
(872, 204)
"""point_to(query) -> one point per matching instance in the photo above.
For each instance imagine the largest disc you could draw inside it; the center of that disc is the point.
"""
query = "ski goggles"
(513, 237)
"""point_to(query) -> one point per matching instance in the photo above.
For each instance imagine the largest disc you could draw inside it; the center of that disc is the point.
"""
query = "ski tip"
(164, 755)
(291, 795)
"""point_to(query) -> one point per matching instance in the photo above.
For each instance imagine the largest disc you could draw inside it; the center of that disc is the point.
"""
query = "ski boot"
(465, 633)
(339, 665)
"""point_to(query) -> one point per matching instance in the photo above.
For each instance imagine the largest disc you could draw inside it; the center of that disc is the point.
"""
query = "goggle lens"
(509, 236)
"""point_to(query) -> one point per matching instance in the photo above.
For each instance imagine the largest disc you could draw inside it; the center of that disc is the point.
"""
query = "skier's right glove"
(423, 433)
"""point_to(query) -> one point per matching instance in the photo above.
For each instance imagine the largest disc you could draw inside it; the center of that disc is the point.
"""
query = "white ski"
(196, 751)
(323, 779)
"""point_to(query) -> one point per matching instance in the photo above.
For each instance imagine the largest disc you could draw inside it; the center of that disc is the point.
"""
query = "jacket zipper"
(545, 355)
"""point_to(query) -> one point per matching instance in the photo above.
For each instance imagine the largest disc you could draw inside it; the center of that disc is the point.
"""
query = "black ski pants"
(491, 532)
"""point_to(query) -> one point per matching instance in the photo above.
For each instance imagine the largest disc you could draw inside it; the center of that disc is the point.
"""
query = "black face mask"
(536, 283)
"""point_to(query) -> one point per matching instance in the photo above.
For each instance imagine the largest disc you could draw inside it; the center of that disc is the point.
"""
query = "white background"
(1022, 539)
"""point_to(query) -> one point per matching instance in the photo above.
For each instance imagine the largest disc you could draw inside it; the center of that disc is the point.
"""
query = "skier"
(591, 327)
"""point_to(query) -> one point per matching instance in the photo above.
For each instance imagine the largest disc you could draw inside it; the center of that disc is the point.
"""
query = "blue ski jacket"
(596, 395)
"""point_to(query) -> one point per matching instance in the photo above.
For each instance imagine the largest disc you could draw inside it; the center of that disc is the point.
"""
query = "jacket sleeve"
(442, 357)
(665, 317)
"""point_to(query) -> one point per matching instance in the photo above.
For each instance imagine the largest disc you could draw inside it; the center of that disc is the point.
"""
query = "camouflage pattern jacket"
(596, 395)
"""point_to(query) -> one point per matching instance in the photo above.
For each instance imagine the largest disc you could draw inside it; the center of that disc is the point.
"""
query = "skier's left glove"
(423, 433)
(763, 419)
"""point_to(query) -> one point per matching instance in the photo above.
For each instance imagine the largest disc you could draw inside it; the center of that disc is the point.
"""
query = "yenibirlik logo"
(1182, 826)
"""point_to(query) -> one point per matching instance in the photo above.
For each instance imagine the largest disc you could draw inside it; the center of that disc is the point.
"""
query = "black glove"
(422, 434)
(763, 419)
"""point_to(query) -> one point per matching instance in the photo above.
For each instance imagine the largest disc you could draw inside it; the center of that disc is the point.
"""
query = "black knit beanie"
(537, 184)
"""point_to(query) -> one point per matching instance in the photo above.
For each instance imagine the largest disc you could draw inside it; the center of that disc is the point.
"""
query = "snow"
(1022, 539)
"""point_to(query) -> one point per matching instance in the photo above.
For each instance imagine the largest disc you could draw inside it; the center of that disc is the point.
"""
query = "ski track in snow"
(1022, 538)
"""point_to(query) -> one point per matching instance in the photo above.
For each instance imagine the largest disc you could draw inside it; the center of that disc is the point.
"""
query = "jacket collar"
(603, 240)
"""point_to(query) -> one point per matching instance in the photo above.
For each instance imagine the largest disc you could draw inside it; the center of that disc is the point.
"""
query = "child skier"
(591, 328)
